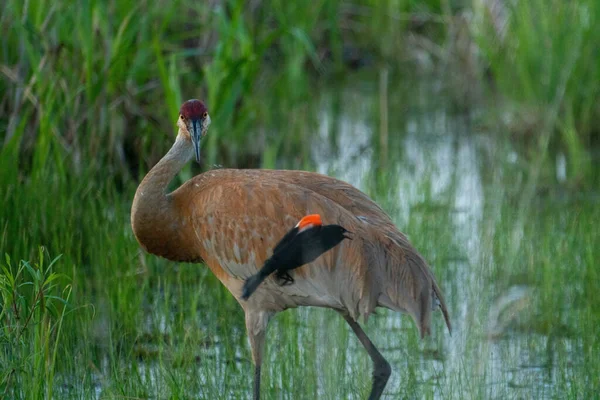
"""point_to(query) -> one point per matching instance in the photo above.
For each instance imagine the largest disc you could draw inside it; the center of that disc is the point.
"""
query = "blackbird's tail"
(255, 280)
(251, 284)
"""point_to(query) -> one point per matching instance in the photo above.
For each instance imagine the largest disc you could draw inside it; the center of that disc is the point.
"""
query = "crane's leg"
(256, 326)
(381, 368)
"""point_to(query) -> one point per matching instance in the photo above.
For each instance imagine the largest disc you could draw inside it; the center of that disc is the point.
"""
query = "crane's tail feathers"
(446, 318)
(442, 305)
(250, 285)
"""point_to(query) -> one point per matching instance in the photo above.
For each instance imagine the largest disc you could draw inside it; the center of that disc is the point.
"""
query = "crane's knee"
(382, 370)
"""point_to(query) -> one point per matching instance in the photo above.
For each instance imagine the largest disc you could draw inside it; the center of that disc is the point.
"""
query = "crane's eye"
(205, 114)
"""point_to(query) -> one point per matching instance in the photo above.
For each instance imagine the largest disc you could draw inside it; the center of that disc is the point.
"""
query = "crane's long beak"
(196, 135)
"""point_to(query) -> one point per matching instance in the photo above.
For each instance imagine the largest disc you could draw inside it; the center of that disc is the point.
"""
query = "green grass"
(545, 64)
(34, 306)
(107, 78)
(89, 95)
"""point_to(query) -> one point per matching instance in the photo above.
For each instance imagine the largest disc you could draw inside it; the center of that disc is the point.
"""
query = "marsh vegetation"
(471, 123)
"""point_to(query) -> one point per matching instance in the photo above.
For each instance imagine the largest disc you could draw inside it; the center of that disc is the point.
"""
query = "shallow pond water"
(435, 169)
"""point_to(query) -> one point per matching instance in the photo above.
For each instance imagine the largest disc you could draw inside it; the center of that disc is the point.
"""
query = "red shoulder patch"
(310, 220)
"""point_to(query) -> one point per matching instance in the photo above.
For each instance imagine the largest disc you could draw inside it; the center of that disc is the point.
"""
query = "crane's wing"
(393, 243)
(239, 216)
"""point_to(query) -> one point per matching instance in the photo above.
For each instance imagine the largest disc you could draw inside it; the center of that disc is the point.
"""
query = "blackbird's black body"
(294, 250)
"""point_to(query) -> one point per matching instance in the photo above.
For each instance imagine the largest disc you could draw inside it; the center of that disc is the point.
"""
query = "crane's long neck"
(153, 187)
(154, 219)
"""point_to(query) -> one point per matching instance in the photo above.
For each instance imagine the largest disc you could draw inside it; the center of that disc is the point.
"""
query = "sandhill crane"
(231, 219)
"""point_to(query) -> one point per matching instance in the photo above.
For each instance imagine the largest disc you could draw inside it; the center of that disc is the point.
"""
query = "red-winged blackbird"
(301, 245)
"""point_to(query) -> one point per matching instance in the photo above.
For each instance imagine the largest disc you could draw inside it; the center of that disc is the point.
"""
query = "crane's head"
(193, 123)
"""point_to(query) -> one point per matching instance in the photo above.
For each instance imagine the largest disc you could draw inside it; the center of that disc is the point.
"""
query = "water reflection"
(437, 164)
